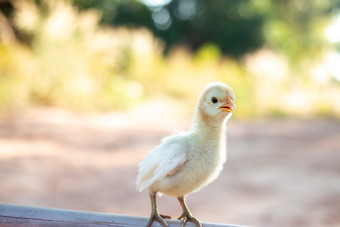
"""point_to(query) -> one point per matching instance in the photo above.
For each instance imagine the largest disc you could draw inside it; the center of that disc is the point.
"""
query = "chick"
(187, 161)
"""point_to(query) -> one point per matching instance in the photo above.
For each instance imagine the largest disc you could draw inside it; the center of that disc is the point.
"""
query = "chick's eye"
(214, 100)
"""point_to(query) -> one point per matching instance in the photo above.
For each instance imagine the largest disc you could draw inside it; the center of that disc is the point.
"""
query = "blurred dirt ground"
(279, 172)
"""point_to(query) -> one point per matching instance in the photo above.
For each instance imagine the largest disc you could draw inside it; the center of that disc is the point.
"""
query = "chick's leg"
(154, 212)
(186, 216)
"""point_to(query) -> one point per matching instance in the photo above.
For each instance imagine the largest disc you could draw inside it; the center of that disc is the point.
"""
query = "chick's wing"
(165, 160)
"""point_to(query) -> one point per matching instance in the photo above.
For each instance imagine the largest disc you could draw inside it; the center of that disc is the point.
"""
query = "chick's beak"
(228, 106)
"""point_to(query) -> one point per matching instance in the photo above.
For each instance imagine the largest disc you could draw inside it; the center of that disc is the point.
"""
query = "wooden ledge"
(13, 215)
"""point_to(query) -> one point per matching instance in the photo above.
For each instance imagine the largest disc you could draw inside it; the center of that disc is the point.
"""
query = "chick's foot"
(155, 216)
(185, 217)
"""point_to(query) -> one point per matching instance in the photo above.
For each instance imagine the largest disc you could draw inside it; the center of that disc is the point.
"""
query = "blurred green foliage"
(71, 55)
(192, 23)
(237, 27)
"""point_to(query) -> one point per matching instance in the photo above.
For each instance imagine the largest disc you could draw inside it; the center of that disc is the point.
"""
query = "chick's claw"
(165, 216)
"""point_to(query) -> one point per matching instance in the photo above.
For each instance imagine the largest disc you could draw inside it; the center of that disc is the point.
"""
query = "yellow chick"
(187, 161)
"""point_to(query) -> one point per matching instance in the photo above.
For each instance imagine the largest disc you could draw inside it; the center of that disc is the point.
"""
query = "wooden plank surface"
(13, 215)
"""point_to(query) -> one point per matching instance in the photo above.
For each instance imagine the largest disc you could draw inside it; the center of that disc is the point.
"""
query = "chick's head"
(216, 101)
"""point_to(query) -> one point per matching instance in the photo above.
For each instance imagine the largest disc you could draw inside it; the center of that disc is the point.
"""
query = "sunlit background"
(88, 87)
